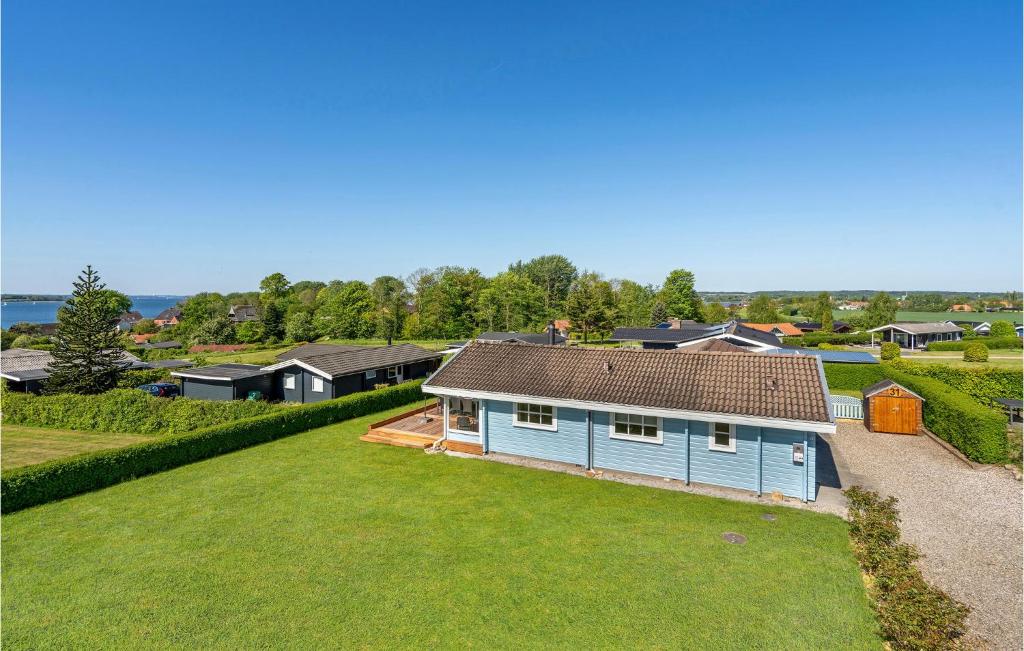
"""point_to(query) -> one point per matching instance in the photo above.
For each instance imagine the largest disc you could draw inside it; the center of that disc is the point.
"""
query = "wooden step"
(400, 439)
(466, 448)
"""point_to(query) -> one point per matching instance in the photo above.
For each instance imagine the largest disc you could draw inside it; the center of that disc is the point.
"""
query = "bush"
(992, 343)
(983, 384)
(1002, 329)
(126, 410)
(132, 379)
(890, 350)
(975, 352)
(45, 482)
(852, 377)
(912, 613)
(974, 429)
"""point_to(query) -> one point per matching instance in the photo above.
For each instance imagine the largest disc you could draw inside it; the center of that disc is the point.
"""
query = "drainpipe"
(590, 440)
(686, 428)
(760, 457)
(807, 456)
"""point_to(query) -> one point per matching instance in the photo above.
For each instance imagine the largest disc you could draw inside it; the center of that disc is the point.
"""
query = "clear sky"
(188, 146)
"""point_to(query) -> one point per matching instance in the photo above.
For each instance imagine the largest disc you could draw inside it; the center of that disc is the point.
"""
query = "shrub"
(912, 614)
(1002, 329)
(126, 410)
(132, 379)
(45, 482)
(983, 384)
(974, 429)
(890, 350)
(992, 343)
(975, 352)
(852, 377)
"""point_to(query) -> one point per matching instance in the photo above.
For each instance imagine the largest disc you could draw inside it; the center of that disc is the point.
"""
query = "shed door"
(896, 415)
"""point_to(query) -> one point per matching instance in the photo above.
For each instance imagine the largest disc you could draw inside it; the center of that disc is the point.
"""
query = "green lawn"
(268, 356)
(843, 315)
(23, 446)
(1011, 359)
(320, 540)
(846, 392)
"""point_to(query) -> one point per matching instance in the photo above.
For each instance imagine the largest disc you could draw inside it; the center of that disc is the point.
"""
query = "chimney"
(551, 333)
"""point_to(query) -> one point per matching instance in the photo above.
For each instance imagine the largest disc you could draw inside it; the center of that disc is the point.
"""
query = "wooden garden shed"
(892, 408)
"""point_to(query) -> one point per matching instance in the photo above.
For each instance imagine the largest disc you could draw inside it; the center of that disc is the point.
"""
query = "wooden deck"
(408, 429)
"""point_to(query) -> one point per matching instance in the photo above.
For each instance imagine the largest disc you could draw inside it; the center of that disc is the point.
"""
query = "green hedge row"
(913, 614)
(132, 379)
(992, 343)
(852, 377)
(813, 339)
(126, 410)
(982, 384)
(974, 429)
(32, 485)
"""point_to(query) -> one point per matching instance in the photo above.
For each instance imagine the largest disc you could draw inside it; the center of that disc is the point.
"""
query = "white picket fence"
(847, 407)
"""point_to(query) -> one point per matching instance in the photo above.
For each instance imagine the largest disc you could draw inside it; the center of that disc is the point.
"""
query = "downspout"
(760, 457)
(807, 455)
(590, 440)
(686, 428)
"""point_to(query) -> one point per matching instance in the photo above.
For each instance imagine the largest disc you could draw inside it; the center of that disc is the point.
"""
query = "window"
(370, 375)
(535, 416)
(318, 384)
(392, 372)
(723, 437)
(463, 415)
(634, 427)
(289, 381)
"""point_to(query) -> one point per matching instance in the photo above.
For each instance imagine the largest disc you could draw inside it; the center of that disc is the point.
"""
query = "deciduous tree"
(880, 311)
(680, 296)
(590, 305)
(763, 310)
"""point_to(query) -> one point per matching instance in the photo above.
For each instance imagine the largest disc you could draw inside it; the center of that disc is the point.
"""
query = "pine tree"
(659, 313)
(88, 352)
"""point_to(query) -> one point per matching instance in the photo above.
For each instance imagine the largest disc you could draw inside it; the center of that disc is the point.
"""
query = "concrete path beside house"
(966, 521)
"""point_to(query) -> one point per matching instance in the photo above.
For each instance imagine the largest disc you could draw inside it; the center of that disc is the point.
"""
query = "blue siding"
(733, 469)
(779, 473)
(667, 459)
(568, 444)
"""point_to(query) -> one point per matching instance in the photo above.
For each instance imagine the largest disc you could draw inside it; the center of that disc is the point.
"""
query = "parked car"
(161, 389)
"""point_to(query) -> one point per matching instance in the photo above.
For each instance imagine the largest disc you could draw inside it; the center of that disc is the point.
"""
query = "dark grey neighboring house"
(550, 338)
(241, 313)
(225, 382)
(313, 373)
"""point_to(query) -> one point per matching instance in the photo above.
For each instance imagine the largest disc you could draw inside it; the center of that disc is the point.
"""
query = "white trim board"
(300, 364)
(761, 346)
(703, 416)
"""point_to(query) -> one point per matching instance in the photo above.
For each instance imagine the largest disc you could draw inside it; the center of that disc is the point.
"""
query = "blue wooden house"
(742, 420)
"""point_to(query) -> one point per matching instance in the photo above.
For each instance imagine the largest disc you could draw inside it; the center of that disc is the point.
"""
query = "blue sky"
(187, 146)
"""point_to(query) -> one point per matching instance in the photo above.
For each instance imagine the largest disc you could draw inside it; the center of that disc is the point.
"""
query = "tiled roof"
(787, 329)
(312, 350)
(168, 314)
(714, 346)
(364, 359)
(744, 384)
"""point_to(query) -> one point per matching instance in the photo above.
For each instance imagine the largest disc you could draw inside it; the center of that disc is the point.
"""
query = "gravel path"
(967, 522)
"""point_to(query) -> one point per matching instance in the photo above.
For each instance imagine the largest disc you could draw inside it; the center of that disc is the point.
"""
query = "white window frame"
(317, 385)
(714, 447)
(630, 437)
(392, 372)
(479, 416)
(371, 375)
(553, 427)
(289, 381)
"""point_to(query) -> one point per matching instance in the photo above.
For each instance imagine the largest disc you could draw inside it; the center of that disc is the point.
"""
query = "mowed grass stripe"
(21, 445)
(321, 540)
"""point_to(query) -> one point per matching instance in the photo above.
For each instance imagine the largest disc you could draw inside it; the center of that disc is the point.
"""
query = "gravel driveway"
(967, 522)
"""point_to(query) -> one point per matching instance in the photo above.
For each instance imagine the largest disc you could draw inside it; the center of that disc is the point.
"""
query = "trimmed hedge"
(813, 339)
(32, 485)
(890, 350)
(982, 384)
(974, 429)
(912, 613)
(126, 410)
(976, 352)
(992, 343)
(852, 377)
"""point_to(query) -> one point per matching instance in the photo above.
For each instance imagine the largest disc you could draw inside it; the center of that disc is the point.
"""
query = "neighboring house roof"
(878, 387)
(714, 346)
(735, 387)
(131, 317)
(660, 335)
(815, 325)
(223, 372)
(312, 350)
(244, 313)
(523, 337)
(920, 328)
(168, 314)
(563, 324)
(366, 358)
(960, 307)
(160, 345)
(20, 364)
(141, 339)
(783, 329)
(47, 328)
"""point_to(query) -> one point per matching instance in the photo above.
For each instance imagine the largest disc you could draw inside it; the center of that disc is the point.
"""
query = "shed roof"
(356, 361)
(223, 372)
(878, 387)
(787, 329)
(783, 387)
(312, 350)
